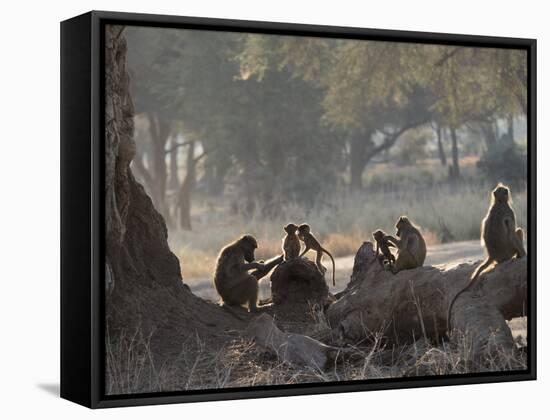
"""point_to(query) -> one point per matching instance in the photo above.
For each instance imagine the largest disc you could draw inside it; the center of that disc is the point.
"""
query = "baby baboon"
(304, 233)
(499, 234)
(411, 247)
(291, 243)
(233, 282)
(382, 246)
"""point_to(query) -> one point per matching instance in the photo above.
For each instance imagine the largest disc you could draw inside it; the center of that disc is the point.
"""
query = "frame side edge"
(532, 216)
(75, 203)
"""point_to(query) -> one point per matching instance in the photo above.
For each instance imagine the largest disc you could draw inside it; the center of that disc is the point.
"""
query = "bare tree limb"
(447, 55)
(177, 146)
(391, 138)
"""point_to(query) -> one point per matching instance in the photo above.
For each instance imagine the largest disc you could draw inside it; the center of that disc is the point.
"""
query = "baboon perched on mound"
(291, 242)
(234, 283)
(411, 245)
(311, 242)
(502, 240)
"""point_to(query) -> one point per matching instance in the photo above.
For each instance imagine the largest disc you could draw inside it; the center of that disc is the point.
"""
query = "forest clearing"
(215, 142)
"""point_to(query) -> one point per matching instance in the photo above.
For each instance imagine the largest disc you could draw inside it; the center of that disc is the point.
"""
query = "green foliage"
(305, 58)
(368, 83)
(412, 148)
(275, 114)
(505, 162)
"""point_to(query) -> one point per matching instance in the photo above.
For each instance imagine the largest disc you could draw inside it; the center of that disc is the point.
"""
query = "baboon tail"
(471, 282)
(333, 267)
(480, 269)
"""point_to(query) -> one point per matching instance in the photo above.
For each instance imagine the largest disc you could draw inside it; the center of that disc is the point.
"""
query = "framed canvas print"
(255, 209)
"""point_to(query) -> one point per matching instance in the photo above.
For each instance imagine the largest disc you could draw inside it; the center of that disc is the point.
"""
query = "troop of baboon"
(237, 284)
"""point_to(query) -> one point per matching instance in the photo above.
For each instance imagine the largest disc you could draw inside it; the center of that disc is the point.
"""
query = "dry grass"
(196, 263)
(131, 366)
(343, 244)
(342, 226)
(426, 173)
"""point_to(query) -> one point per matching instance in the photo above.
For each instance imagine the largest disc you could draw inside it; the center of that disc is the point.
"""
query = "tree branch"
(199, 157)
(176, 146)
(447, 56)
(391, 138)
(204, 153)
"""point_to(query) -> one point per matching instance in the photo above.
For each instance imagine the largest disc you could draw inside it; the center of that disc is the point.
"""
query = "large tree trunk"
(496, 129)
(145, 288)
(413, 303)
(173, 180)
(218, 186)
(455, 172)
(358, 159)
(510, 134)
(159, 130)
(488, 130)
(440, 148)
(187, 187)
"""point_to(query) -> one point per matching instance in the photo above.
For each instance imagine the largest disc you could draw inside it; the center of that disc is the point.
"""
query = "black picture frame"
(82, 206)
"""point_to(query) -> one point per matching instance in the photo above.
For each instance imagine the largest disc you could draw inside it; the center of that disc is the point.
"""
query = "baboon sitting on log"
(411, 245)
(232, 279)
(502, 239)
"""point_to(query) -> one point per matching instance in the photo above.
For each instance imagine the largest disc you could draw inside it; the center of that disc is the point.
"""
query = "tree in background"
(274, 120)
(366, 89)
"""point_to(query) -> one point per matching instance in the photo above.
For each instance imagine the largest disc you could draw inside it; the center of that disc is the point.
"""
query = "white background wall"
(29, 209)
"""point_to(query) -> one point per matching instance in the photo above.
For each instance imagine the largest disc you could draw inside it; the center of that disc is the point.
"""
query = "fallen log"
(413, 304)
(296, 349)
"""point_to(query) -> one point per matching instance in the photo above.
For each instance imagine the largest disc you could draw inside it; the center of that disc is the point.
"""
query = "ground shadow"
(52, 389)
